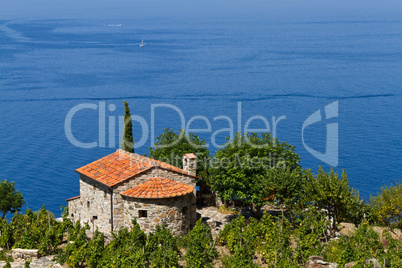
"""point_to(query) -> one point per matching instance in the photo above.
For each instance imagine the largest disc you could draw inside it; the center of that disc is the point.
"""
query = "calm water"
(276, 58)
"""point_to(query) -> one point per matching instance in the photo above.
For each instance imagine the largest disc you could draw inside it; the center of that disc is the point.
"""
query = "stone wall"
(74, 209)
(174, 212)
(94, 201)
(24, 254)
(118, 201)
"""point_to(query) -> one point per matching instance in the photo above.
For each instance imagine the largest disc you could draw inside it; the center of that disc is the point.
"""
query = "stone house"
(122, 186)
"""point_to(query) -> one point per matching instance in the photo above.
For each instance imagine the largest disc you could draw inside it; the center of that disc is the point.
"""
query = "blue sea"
(212, 66)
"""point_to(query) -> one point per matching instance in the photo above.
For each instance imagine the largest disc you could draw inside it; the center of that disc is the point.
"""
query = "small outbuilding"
(122, 186)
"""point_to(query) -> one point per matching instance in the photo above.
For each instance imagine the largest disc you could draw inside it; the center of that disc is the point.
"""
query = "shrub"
(387, 206)
(33, 230)
(163, 248)
(393, 255)
(363, 245)
(275, 246)
(126, 249)
(240, 242)
(310, 230)
(200, 246)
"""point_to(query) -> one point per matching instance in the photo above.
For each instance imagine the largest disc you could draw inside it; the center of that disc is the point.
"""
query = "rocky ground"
(214, 219)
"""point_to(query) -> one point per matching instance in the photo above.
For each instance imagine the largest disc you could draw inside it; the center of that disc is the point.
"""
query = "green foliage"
(4, 257)
(283, 186)
(357, 209)
(309, 232)
(127, 249)
(275, 242)
(200, 246)
(393, 255)
(363, 245)
(242, 257)
(26, 264)
(8, 265)
(243, 165)
(387, 206)
(236, 236)
(10, 199)
(37, 230)
(127, 143)
(170, 148)
(333, 195)
(77, 247)
(163, 248)
(95, 250)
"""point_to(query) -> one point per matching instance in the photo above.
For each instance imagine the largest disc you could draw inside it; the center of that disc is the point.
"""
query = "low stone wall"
(24, 254)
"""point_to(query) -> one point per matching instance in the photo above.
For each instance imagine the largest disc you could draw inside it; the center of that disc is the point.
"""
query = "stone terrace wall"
(174, 212)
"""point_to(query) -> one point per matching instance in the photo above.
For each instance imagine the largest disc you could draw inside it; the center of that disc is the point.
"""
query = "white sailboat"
(142, 43)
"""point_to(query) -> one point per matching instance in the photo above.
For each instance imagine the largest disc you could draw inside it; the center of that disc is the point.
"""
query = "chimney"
(190, 163)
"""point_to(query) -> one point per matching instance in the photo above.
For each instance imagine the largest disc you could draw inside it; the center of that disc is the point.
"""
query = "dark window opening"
(142, 214)
(88, 204)
(184, 210)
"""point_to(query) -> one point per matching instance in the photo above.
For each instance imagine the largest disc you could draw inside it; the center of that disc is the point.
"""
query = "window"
(142, 214)
(184, 210)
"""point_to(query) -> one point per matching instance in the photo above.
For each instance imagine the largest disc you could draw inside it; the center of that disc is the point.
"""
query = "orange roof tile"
(121, 165)
(158, 188)
(73, 198)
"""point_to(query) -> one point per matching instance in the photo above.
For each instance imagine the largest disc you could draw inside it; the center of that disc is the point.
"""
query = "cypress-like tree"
(127, 143)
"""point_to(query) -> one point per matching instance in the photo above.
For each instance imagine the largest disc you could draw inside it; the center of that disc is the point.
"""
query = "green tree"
(170, 148)
(242, 168)
(127, 143)
(282, 186)
(387, 206)
(10, 199)
(331, 194)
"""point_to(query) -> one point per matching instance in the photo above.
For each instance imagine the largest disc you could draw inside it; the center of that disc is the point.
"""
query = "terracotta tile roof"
(159, 188)
(73, 198)
(121, 165)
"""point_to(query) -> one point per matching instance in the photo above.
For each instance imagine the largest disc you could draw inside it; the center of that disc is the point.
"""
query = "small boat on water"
(142, 43)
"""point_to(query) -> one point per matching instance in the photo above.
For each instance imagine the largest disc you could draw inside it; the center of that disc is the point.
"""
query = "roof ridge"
(157, 163)
(121, 166)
